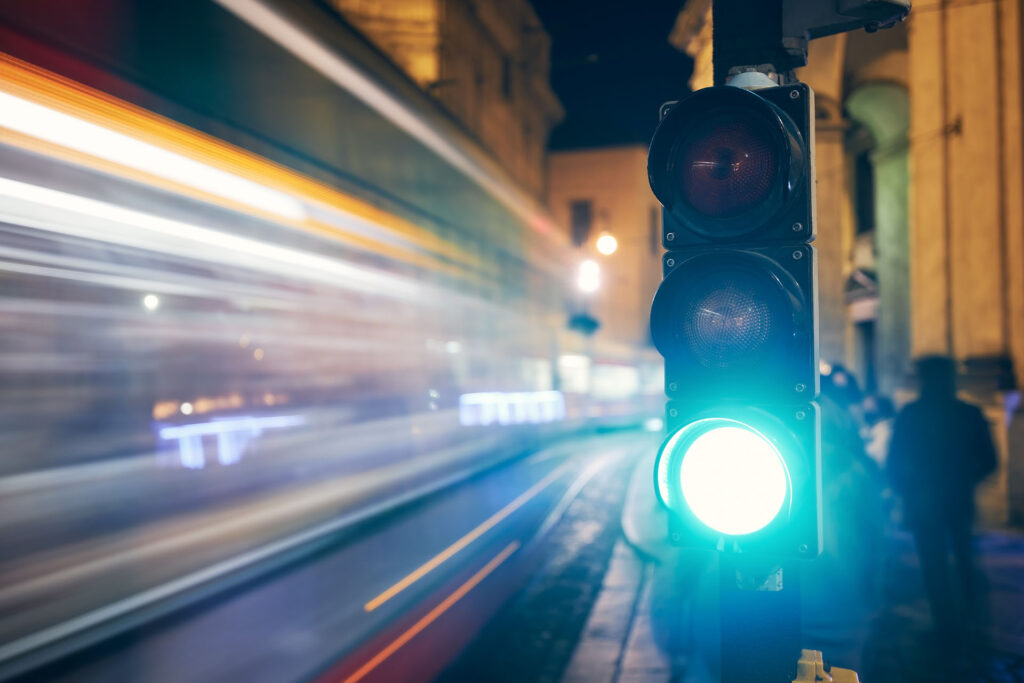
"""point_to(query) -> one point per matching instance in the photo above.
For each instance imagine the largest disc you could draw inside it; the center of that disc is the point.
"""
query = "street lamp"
(588, 277)
(607, 244)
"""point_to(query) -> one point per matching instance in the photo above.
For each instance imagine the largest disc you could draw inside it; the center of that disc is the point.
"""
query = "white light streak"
(68, 131)
(233, 436)
(61, 212)
(511, 408)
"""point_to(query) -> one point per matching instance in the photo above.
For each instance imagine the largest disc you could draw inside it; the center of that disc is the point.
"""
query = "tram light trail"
(74, 133)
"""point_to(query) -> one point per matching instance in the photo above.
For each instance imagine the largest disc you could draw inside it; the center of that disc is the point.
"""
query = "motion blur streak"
(476, 533)
(510, 408)
(199, 164)
(233, 435)
(338, 69)
(68, 131)
(432, 616)
(111, 223)
(215, 364)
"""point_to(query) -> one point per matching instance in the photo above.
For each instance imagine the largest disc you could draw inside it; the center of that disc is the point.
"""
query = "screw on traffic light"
(735, 318)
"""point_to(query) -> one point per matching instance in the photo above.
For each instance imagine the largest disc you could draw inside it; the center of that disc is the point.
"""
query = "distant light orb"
(607, 244)
(452, 347)
(588, 278)
(654, 424)
(186, 408)
(733, 479)
(258, 354)
(151, 302)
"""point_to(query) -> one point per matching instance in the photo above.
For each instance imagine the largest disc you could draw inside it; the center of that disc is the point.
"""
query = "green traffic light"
(730, 476)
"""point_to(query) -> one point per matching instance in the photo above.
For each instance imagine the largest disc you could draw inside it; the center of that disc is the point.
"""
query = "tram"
(250, 279)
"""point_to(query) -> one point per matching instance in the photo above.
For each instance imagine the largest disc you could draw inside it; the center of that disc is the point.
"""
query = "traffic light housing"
(730, 165)
(736, 320)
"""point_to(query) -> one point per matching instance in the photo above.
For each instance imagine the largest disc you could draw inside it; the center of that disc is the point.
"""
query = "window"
(864, 192)
(581, 219)
(506, 77)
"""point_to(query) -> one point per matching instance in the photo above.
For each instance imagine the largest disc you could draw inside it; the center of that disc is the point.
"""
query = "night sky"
(612, 67)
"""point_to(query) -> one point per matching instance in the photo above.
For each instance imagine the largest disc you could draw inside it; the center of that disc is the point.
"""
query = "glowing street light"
(588, 278)
(151, 302)
(607, 244)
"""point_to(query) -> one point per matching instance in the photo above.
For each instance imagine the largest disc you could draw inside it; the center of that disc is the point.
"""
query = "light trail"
(446, 554)
(70, 214)
(72, 132)
(349, 76)
(433, 614)
(93, 129)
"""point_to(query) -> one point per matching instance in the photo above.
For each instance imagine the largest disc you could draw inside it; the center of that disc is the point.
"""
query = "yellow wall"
(615, 179)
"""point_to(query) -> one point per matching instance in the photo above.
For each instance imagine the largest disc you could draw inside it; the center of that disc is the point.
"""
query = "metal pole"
(759, 620)
(749, 34)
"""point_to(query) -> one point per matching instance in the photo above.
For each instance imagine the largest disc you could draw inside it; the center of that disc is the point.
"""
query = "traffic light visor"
(730, 476)
(724, 161)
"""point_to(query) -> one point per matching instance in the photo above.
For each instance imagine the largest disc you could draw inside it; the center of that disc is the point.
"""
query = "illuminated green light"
(731, 476)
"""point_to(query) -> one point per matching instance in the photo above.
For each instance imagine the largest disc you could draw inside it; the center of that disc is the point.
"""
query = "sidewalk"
(618, 645)
(899, 648)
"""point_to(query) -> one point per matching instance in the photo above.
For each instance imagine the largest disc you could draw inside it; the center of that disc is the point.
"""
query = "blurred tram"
(243, 290)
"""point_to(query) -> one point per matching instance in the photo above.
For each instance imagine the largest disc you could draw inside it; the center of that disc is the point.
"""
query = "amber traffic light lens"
(726, 311)
(728, 164)
(727, 321)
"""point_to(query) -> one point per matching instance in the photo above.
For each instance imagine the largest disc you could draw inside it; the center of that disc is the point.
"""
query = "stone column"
(966, 217)
(824, 73)
(882, 108)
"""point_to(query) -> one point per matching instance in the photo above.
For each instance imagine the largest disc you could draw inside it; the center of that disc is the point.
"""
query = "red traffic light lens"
(725, 162)
(728, 164)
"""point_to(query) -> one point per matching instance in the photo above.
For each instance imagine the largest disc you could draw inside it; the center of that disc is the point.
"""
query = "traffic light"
(735, 318)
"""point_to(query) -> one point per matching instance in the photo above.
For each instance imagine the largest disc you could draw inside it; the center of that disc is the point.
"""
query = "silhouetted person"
(941, 449)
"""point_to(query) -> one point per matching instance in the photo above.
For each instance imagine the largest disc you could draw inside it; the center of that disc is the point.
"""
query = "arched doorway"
(879, 184)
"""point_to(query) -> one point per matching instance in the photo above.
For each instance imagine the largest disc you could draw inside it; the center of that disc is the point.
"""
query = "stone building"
(486, 61)
(921, 204)
(604, 191)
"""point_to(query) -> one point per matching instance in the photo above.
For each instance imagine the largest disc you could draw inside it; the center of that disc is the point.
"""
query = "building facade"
(486, 61)
(921, 205)
(604, 191)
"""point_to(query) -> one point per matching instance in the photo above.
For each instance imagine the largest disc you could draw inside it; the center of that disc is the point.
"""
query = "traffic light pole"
(759, 599)
(750, 35)
(735, 318)
(759, 619)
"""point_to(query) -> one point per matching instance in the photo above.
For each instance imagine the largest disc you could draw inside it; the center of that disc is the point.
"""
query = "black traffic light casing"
(786, 213)
(776, 360)
(736, 314)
